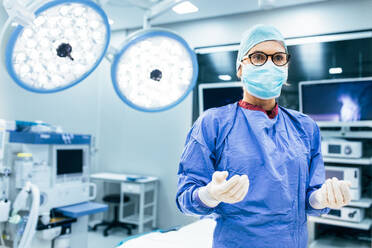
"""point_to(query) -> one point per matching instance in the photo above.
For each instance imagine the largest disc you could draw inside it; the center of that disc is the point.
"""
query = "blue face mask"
(264, 82)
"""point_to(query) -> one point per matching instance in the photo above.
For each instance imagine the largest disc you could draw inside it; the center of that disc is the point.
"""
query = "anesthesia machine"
(45, 188)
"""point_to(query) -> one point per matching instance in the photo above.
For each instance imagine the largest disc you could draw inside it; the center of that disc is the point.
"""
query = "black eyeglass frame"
(267, 57)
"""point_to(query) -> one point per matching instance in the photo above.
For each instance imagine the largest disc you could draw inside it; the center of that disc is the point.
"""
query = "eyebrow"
(261, 52)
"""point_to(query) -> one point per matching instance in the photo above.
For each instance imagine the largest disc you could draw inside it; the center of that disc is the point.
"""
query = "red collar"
(271, 114)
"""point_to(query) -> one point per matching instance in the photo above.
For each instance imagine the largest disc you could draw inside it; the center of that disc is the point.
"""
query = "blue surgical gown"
(283, 161)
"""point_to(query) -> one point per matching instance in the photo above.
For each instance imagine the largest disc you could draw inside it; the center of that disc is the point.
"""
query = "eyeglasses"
(260, 58)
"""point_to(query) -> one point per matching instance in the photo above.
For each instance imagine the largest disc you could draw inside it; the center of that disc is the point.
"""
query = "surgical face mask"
(266, 81)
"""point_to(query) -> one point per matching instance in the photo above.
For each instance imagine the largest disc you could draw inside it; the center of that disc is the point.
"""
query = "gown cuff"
(314, 200)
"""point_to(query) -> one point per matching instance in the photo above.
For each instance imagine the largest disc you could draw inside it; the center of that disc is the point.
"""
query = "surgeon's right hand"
(221, 190)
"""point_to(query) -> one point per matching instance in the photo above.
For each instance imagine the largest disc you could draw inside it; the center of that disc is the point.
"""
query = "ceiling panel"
(125, 15)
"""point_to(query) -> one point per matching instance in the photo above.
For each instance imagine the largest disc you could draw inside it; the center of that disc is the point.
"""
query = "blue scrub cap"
(255, 35)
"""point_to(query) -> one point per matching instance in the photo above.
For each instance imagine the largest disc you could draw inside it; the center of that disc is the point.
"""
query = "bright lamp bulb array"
(62, 46)
(154, 71)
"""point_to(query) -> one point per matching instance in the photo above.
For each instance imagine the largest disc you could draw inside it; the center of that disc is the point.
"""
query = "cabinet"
(325, 232)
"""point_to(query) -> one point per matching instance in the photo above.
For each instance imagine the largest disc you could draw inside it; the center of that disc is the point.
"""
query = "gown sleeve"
(316, 172)
(196, 168)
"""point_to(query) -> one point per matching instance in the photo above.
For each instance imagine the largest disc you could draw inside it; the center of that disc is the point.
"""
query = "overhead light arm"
(18, 13)
(157, 10)
(102, 2)
(266, 4)
(110, 54)
(142, 4)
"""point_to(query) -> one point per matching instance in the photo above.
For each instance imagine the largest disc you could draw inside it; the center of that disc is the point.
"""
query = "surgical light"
(154, 71)
(63, 44)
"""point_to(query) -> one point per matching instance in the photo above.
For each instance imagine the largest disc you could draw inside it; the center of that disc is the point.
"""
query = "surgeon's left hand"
(333, 194)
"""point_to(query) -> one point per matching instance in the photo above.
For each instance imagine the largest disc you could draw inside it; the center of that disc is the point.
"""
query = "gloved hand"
(333, 194)
(219, 190)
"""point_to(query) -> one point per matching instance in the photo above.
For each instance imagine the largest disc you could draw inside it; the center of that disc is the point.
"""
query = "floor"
(97, 240)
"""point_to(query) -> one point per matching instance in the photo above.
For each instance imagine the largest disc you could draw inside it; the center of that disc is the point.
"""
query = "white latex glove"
(219, 190)
(333, 194)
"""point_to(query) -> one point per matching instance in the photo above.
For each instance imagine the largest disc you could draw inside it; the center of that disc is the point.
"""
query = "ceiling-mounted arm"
(102, 2)
(18, 13)
(110, 54)
(142, 4)
(157, 10)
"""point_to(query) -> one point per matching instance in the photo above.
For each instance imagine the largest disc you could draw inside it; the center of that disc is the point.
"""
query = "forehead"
(268, 47)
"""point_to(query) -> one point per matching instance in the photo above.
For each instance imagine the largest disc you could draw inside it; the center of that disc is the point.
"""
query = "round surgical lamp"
(154, 71)
(61, 46)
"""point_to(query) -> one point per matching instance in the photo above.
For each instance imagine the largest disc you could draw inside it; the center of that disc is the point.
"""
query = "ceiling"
(125, 15)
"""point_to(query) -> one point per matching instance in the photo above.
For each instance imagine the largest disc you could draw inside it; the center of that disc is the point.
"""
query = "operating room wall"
(331, 16)
(151, 143)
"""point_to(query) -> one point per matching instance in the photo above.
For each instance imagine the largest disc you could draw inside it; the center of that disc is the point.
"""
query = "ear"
(239, 72)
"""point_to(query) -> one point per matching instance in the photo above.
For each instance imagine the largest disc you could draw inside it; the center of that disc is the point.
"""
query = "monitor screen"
(334, 149)
(334, 173)
(345, 101)
(69, 161)
(220, 96)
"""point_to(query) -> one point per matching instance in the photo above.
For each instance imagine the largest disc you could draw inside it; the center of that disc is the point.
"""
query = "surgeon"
(254, 165)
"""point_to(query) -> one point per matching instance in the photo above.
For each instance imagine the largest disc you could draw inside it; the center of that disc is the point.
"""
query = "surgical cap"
(255, 35)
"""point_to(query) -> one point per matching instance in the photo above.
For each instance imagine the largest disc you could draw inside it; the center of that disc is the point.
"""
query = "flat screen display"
(69, 161)
(337, 174)
(221, 96)
(338, 102)
(335, 212)
(334, 149)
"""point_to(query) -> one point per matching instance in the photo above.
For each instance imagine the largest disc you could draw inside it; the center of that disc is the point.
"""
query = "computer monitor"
(69, 161)
(219, 94)
(338, 100)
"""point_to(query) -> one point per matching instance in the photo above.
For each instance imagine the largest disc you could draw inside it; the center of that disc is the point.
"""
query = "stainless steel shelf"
(336, 242)
(357, 161)
(338, 134)
(364, 225)
(134, 219)
(362, 203)
(149, 205)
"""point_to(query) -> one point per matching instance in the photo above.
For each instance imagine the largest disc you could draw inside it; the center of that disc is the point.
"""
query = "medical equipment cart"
(347, 233)
(137, 185)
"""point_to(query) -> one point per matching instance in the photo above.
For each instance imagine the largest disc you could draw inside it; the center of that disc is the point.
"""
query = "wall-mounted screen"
(340, 100)
(218, 94)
